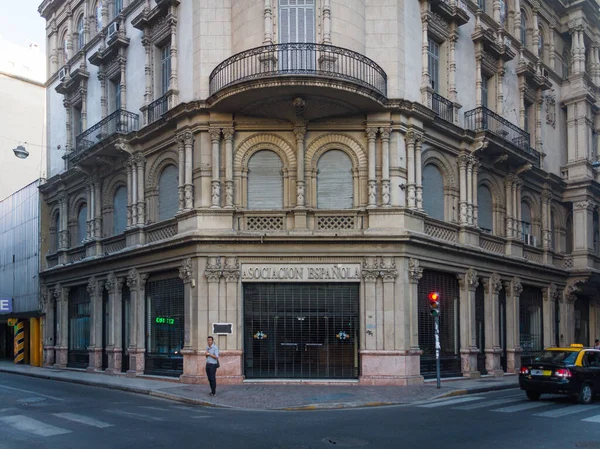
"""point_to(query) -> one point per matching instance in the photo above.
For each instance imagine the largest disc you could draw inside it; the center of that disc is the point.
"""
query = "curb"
(338, 406)
(477, 390)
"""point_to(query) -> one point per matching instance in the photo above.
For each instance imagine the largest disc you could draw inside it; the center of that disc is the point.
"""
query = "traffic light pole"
(436, 320)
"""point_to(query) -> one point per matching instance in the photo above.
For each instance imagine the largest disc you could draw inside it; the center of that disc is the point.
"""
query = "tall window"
(527, 122)
(165, 68)
(596, 229)
(525, 220)
(523, 29)
(566, 63)
(265, 181)
(81, 225)
(541, 45)
(120, 210)
(80, 34)
(485, 211)
(481, 4)
(64, 48)
(503, 11)
(485, 81)
(552, 232)
(433, 192)
(118, 7)
(168, 198)
(99, 23)
(114, 95)
(55, 243)
(434, 64)
(77, 123)
(334, 181)
(296, 21)
(569, 235)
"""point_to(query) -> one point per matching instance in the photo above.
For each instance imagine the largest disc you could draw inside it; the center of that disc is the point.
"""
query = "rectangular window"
(527, 121)
(77, 123)
(165, 68)
(434, 65)
(485, 81)
(118, 7)
(114, 96)
(296, 21)
(481, 4)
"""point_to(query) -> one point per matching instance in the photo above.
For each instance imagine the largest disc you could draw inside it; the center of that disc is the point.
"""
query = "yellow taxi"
(573, 370)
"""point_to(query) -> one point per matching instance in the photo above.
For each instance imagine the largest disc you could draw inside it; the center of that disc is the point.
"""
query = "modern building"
(296, 176)
(21, 322)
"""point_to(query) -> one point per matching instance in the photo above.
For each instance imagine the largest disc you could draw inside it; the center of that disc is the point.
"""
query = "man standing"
(212, 362)
(596, 344)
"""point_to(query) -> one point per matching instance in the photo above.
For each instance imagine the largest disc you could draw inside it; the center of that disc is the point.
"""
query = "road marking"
(150, 407)
(183, 407)
(487, 404)
(83, 420)
(33, 426)
(32, 392)
(563, 411)
(4, 410)
(134, 415)
(451, 401)
(521, 407)
(592, 419)
(199, 416)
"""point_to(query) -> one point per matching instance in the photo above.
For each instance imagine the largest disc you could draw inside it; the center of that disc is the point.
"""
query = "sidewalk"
(267, 396)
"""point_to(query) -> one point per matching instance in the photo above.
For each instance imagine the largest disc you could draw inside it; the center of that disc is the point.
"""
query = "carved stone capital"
(186, 272)
(133, 278)
(584, 205)
(469, 280)
(415, 272)
(388, 270)
(215, 134)
(228, 133)
(231, 272)
(550, 293)
(385, 132)
(92, 286)
(300, 130)
(370, 269)
(111, 282)
(493, 284)
(371, 132)
(213, 270)
(187, 138)
(513, 287)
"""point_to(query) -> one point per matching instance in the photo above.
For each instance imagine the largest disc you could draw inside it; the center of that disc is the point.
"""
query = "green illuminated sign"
(164, 320)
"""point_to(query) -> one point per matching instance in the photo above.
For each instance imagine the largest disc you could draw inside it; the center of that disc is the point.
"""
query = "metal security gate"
(582, 321)
(105, 330)
(79, 327)
(446, 285)
(531, 326)
(480, 328)
(125, 328)
(164, 326)
(502, 329)
(301, 331)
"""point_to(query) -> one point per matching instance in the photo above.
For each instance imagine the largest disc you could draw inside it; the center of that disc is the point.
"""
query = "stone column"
(475, 166)
(517, 20)
(463, 161)
(69, 50)
(522, 110)
(191, 357)
(513, 342)
(567, 313)
(228, 135)
(181, 186)
(134, 192)
(425, 79)
(103, 94)
(136, 283)
(583, 223)
(173, 80)
(550, 295)
(130, 199)
(268, 22)
(63, 241)
(552, 51)
(419, 171)
(388, 273)
(189, 184)
(518, 228)
(48, 303)
(493, 351)
(468, 339)
(148, 95)
(114, 340)
(69, 125)
(478, 83)
(140, 162)
(54, 47)
(327, 22)
(452, 91)
(231, 362)
(372, 181)
(370, 273)
(215, 138)
(61, 349)
(300, 134)
(385, 167)
(546, 225)
(470, 191)
(97, 208)
(94, 290)
(89, 231)
(411, 196)
(508, 181)
(415, 273)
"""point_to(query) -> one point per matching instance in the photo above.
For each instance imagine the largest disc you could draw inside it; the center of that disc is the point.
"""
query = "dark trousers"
(211, 373)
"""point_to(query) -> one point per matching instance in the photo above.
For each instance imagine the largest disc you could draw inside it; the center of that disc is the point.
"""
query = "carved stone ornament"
(213, 269)
(584, 205)
(550, 101)
(415, 272)
(231, 272)
(111, 282)
(92, 286)
(493, 284)
(550, 293)
(370, 270)
(132, 278)
(186, 273)
(388, 270)
(514, 287)
(58, 290)
(470, 279)
(572, 288)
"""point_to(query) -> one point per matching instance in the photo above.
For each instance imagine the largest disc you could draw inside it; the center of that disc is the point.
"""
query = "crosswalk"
(44, 425)
(517, 403)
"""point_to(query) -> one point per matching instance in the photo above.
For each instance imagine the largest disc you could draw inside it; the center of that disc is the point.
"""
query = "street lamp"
(21, 152)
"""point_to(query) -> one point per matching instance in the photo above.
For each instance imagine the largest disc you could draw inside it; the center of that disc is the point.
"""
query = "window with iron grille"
(433, 54)
(79, 326)
(531, 328)
(446, 285)
(165, 68)
(480, 327)
(164, 326)
(301, 330)
(125, 327)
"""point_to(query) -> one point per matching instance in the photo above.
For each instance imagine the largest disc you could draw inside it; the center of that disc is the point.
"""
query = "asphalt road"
(43, 414)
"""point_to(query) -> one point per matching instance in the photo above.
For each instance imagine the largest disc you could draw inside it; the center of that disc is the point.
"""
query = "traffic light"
(434, 304)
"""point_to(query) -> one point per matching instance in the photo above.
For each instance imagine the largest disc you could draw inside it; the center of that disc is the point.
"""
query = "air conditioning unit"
(113, 29)
(531, 240)
(62, 73)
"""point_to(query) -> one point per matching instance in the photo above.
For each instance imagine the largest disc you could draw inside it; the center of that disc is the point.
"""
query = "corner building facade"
(295, 176)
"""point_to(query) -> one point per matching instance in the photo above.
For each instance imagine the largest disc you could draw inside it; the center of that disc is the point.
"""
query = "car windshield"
(566, 357)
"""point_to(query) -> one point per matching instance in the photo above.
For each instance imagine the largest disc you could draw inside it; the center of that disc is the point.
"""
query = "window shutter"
(334, 181)
(168, 197)
(484, 205)
(433, 192)
(81, 225)
(265, 181)
(296, 21)
(120, 211)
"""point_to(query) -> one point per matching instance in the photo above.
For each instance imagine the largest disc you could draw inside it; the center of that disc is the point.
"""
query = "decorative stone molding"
(262, 141)
(231, 272)
(44, 296)
(213, 270)
(493, 284)
(573, 287)
(111, 282)
(550, 102)
(58, 291)
(388, 270)
(370, 269)
(550, 293)
(415, 272)
(186, 272)
(133, 278)
(92, 286)
(513, 287)
(470, 280)
(584, 205)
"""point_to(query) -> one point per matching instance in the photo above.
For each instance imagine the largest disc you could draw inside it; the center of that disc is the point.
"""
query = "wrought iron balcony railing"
(482, 119)
(157, 109)
(119, 122)
(443, 107)
(298, 59)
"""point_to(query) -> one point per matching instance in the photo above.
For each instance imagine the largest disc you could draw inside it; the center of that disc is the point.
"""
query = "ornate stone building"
(295, 176)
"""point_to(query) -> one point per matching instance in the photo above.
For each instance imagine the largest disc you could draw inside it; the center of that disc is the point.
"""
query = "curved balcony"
(286, 71)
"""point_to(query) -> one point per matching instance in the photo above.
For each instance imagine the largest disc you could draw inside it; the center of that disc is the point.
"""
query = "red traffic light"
(434, 296)
(434, 304)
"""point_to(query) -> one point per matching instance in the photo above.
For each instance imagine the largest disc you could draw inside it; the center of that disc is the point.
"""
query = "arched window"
(523, 29)
(80, 34)
(541, 44)
(566, 63)
(334, 181)
(118, 7)
(98, 13)
(485, 211)
(168, 197)
(56, 234)
(569, 235)
(552, 232)
(64, 50)
(433, 192)
(526, 219)
(81, 224)
(119, 210)
(265, 181)
(503, 11)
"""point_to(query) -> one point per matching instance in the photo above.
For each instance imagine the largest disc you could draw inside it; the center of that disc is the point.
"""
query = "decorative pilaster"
(415, 273)
(173, 80)
(425, 78)
(136, 283)
(419, 171)
(181, 167)
(370, 273)
(94, 290)
(385, 166)
(215, 138)
(372, 181)
(546, 225)
(89, 231)
(68, 125)
(327, 22)
(129, 169)
(508, 181)
(53, 47)
(61, 295)
(228, 136)
(97, 206)
(148, 95)
(463, 162)
(187, 274)
(513, 348)
(475, 172)
(493, 351)
(63, 233)
(411, 191)
(468, 284)
(550, 296)
(470, 191)
(140, 164)
(452, 90)
(300, 134)
(188, 187)
(114, 341)
(268, 23)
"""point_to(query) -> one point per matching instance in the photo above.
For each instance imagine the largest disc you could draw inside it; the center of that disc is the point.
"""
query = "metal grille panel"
(446, 285)
(531, 322)
(164, 326)
(308, 331)
(79, 327)
(502, 328)
(125, 327)
(582, 321)
(105, 329)
(480, 327)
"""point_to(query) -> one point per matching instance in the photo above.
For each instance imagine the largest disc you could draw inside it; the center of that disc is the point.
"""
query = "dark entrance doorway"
(582, 321)
(125, 328)
(6, 341)
(79, 327)
(105, 329)
(301, 331)
(502, 329)
(480, 327)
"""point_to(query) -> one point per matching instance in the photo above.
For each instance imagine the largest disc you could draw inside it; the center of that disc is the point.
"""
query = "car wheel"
(585, 394)
(533, 395)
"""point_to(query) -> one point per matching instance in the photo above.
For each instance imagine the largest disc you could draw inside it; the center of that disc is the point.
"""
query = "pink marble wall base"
(492, 362)
(95, 359)
(114, 361)
(513, 360)
(229, 373)
(137, 362)
(390, 368)
(468, 359)
(61, 357)
(48, 356)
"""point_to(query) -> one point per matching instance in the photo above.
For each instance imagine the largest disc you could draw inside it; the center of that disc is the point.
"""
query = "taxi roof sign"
(576, 345)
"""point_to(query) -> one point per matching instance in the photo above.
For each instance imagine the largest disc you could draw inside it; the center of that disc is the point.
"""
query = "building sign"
(164, 320)
(301, 273)
(5, 305)
(222, 329)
